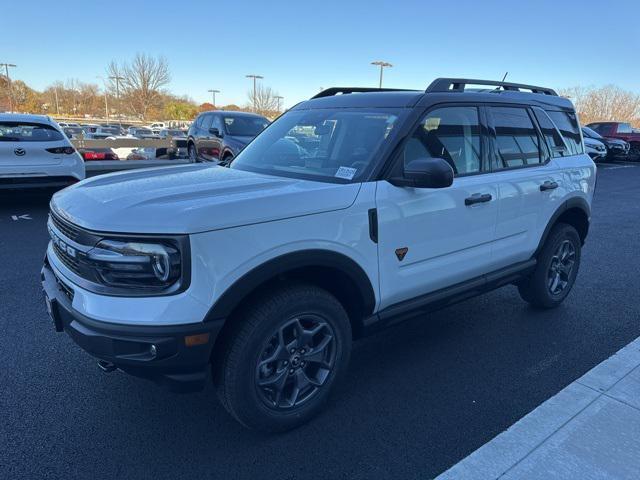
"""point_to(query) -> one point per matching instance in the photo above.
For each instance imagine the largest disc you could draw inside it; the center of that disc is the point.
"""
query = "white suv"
(348, 213)
(34, 152)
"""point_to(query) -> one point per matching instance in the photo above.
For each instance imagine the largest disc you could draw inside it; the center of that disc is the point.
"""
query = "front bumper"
(129, 347)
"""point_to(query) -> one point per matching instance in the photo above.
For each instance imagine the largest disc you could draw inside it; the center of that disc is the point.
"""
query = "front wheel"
(193, 154)
(289, 349)
(556, 270)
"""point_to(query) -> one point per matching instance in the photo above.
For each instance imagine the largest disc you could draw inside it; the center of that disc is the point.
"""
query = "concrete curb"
(590, 429)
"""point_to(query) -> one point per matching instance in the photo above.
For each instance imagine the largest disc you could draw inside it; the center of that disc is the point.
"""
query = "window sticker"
(346, 172)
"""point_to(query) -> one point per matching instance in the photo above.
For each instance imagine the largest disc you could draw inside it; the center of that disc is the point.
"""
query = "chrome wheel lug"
(286, 362)
(292, 351)
(291, 371)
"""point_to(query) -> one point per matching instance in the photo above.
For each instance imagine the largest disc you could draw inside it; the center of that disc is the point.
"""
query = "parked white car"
(351, 212)
(35, 152)
(595, 148)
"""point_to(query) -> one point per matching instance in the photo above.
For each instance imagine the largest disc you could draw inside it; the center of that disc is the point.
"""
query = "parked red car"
(621, 130)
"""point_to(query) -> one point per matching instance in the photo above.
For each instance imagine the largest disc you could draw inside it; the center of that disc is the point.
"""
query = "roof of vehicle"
(234, 113)
(440, 90)
(25, 117)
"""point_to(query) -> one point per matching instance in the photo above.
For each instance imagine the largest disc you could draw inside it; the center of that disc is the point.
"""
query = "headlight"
(145, 266)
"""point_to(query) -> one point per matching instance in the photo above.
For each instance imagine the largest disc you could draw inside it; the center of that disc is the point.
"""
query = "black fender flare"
(574, 202)
(233, 295)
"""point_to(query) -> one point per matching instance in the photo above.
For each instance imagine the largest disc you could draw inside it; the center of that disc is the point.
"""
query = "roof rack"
(458, 84)
(330, 92)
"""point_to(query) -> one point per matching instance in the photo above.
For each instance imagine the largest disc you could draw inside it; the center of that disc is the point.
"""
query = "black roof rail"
(330, 92)
(458, 84)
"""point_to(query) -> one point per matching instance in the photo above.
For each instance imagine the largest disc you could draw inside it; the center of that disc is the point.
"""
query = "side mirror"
(426, 172)
(216, 132)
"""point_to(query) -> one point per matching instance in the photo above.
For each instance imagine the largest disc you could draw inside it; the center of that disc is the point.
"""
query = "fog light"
(153, 350)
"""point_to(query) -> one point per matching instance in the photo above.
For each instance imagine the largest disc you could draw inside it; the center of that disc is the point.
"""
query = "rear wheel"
(556, 270)
(285, 355)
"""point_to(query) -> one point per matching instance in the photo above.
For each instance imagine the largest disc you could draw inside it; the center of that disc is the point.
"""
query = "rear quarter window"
(28, 132)
(567, 124)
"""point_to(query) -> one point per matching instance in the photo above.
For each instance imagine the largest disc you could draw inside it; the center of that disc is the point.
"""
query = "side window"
(199, 121)
(624, 128)
(568, 125)
(517, 141)
(206, 122)
(550, 133)
(217, 123)
(451, 133)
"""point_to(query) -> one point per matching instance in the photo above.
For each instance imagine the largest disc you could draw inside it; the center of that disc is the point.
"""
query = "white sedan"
(34, 152)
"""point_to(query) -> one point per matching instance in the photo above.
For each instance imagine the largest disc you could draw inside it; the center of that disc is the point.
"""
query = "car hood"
(615, 141)
(194, 198)
(592, 142)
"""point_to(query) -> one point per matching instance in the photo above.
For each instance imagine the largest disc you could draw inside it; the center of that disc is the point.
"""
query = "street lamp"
(213, 94)
(6, 71)
(278, 98)
(255, 77)
(106, 103)
(118, 78)
(382, 66)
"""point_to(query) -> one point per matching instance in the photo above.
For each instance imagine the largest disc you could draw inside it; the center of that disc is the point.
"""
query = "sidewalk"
(589, 430)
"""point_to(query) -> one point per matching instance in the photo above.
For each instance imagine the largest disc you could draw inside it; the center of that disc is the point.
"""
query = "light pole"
(278, 98)
(382, 66)
(255, 77)
(55, 91)
(213, 95)
(106, 103)
(117, 78)
(6, 71)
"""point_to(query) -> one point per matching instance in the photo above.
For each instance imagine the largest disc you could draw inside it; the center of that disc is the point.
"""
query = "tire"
(556, 270)
(258, 378)
(192, 153)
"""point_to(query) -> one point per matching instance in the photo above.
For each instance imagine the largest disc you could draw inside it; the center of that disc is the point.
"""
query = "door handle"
(548, 185)
(477, 198)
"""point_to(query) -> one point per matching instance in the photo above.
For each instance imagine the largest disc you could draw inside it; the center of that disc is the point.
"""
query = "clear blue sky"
(300, 46)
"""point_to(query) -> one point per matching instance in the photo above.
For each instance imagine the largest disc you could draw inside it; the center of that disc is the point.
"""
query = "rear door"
(25, 144)
(530, 184)
(203, 139)
(428, 238)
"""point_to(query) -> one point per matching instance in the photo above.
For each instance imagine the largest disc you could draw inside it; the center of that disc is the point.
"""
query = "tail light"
(59, 150)
(99, 156)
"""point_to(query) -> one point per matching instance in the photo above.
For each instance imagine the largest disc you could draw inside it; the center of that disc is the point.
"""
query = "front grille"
(70, 262)
(67, 229)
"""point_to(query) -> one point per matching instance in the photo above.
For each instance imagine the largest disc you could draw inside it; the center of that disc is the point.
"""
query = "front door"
(434, 238)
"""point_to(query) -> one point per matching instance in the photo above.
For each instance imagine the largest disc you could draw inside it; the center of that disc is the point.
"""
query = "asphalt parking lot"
(419, 397)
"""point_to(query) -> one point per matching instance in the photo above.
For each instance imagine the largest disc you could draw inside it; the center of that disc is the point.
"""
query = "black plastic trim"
(373, 224)
(447, 296)
(232, 297)
(575, 202)
(176, 366)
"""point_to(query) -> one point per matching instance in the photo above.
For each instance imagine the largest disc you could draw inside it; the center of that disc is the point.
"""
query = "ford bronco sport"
(353, 210)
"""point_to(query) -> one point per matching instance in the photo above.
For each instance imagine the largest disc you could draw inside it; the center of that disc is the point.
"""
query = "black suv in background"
(218, 136)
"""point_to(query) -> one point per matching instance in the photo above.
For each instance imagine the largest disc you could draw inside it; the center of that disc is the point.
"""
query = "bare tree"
(265, 101)
(139, 82)
(605, 103)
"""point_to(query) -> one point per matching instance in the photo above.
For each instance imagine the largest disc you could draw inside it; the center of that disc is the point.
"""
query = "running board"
(433, 301)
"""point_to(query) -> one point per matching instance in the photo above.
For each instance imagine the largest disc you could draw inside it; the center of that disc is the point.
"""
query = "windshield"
(591, 133)
(336, 145)
(244, 126)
